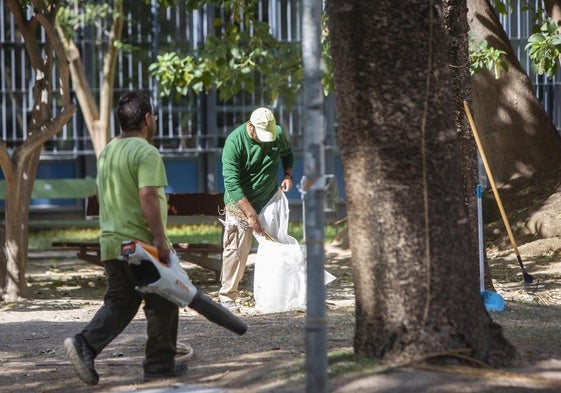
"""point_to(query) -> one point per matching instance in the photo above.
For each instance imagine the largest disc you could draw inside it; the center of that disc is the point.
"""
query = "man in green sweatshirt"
(250, 161)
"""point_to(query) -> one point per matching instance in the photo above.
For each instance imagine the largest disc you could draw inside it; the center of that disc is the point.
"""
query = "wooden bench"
(206, 255)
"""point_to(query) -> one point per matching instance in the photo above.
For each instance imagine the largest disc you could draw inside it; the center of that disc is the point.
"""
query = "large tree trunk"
(416, 284)
(454, 12)
(518, 136)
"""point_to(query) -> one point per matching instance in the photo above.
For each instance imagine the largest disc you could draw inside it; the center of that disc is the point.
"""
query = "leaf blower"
(170, 281)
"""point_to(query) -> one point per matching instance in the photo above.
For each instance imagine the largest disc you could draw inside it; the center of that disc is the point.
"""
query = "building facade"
(191, 129)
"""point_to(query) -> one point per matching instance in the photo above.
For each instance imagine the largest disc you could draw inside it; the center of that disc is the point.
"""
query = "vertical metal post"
(210, 159)
(155, 49)
(314, 190)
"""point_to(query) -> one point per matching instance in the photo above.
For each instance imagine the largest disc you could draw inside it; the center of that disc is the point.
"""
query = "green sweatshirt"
(250, 168)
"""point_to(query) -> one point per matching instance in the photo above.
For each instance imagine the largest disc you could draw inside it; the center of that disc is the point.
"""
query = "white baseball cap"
(265, 124)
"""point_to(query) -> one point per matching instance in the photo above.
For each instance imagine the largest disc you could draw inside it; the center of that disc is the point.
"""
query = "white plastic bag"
(279, 282)
(280, 277)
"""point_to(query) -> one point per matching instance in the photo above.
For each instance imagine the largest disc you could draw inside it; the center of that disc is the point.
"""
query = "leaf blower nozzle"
(170, 281)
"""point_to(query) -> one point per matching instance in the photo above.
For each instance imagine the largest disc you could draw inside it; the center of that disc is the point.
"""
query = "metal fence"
(195, 125)
(518, 24)
(186, 125)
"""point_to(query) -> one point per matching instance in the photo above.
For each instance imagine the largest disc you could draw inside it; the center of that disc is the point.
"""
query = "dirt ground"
(270, 356)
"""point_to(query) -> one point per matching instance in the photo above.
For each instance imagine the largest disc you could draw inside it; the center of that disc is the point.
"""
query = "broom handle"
(480, 239)
(491, 181)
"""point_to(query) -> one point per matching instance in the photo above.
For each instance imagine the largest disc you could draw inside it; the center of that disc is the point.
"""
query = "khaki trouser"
(237, 245)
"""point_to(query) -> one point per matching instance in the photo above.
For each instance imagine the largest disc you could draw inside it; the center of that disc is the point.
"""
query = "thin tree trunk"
(97, 119)
(20, 168)
(106, 91)
(3, 262)
(86, 99)
(18, 198)
(553, 9)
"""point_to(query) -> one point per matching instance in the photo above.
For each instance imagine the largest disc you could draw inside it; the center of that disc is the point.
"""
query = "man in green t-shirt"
(250, 161)
(132, 206)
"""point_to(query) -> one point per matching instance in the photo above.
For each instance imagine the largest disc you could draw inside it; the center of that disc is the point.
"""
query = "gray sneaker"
(231, 306)
(82, 359)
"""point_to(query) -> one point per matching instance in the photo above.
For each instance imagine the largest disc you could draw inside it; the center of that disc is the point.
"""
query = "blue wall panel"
(182, 175)
(56, 170)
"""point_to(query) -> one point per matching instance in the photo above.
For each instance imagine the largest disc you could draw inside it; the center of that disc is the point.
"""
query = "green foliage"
(241, 49)
(482, 56)
(327, 61)
(544, 48)
(500, 6)
(229, 59)
(196, 233)
(41, 239)
(69, 17)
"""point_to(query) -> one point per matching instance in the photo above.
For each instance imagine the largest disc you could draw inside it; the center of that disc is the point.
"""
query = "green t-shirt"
(125, 166)
(250, 168)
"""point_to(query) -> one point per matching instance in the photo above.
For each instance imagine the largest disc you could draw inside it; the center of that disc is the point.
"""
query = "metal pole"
(314, 194)
(154, 12)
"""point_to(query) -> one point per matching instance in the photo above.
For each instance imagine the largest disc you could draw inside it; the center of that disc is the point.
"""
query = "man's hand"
(286, 184)
(250, 215)
(287, 181)
(253, 222)
(163, 251)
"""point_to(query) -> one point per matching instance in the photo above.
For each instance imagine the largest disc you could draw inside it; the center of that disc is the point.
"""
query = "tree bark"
(553, 9)
(20, 168)
(518, 136)
(457, 28)
(416, 284)
(97, 119)
(3, 262)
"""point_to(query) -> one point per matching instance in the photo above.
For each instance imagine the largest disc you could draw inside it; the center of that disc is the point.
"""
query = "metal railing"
(186, 125)
(518, 24)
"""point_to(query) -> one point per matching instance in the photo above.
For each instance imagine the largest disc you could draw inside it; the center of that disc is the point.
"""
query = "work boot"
(82, 359)
(231, 306)
(179, 370)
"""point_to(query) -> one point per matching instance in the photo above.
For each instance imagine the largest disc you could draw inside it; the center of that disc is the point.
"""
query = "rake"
(528, 279)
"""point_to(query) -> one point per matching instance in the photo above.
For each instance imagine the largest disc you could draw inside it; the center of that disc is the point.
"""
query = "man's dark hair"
(131, 110)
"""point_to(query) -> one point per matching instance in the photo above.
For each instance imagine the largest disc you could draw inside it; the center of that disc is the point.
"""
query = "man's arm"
(251, 215)
(150, 206)
(287, 158)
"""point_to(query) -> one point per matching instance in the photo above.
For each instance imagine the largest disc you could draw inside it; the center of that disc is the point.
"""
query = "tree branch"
(45, 131)
(26, 28)
(84, 94)
(48, 25)
(6, 163)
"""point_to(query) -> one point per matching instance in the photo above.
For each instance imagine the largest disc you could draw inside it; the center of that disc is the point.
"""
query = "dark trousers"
(121, 303)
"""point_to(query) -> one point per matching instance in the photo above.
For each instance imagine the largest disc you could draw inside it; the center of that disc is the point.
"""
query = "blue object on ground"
(493, 301)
